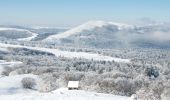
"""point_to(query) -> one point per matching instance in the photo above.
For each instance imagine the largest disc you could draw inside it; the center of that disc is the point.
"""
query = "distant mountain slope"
(17, 33)
(87, 26)
(22, 33)
(100, 34)
(44, 32)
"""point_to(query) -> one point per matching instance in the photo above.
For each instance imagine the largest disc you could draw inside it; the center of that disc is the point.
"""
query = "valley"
(111, 61)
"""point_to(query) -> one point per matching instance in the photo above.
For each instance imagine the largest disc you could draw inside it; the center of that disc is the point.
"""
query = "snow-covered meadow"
(68, 54)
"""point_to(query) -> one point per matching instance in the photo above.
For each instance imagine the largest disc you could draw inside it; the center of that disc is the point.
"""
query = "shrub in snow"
(124, 86)
(152, 72)
(47, 86)
(28, 83)
(67, 69)
(146, 94)
(140, 81)
(158, 89)
(100, 71)
(118, 74)
(13, 73)
(20, 71)
(47, 83)
(107, 85)
(6, 71)
(73, 76)
(166, 94)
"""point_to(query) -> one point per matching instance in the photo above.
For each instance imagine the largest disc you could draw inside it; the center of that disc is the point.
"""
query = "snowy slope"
(23, 30)
(71, 54)
(12, 84)
(63, 94)
(87, 26)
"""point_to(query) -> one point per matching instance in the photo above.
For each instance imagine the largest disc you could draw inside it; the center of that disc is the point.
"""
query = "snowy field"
(63, 94)
(10, 85)
(68, 54)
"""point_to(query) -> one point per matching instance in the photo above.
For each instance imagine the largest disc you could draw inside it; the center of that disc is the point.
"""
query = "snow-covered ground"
(87, 26)
(68, 54)
(10, 85)
(24, 30)
(34, 35)
(63, 94)
(11, 63)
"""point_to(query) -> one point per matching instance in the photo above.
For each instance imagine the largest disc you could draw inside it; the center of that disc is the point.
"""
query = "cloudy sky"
(67, 13)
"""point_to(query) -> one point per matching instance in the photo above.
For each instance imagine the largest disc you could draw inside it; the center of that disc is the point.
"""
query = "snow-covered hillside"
(87, 26)
(33, 35)
(68, 54)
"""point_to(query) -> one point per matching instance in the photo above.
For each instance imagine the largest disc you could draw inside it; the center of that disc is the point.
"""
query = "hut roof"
(73, 84)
